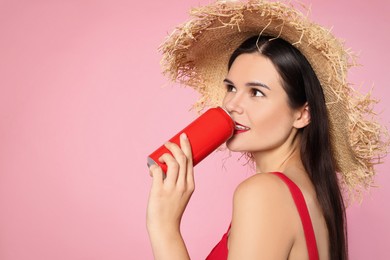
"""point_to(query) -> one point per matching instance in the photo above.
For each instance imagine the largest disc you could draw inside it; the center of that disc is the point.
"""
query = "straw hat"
(197, 52)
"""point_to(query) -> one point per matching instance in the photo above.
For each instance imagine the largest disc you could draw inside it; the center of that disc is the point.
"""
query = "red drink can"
(206, 133)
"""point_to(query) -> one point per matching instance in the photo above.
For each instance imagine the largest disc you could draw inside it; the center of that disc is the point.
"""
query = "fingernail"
(183, 136)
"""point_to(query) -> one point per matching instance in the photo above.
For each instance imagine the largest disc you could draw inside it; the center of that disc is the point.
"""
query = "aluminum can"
(205, 134)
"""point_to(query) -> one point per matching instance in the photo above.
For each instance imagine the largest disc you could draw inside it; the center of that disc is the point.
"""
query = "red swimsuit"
(220, 251)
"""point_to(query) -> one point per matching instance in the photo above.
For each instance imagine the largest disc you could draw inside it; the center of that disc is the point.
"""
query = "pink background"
(82, 104)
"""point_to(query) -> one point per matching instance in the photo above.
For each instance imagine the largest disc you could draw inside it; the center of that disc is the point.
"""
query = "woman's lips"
(239, 128)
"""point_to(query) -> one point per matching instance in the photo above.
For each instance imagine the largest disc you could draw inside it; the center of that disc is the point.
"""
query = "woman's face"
(258, 104)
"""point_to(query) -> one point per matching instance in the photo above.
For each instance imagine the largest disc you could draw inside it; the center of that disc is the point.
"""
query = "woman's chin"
(233, 146)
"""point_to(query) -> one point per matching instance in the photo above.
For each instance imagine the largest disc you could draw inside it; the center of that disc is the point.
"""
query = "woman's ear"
(303, 116)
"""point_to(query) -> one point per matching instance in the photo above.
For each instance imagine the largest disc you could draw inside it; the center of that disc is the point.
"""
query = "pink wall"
(82, 105)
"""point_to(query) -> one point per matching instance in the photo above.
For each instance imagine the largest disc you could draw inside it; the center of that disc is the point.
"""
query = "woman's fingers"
(179, 163)
(157, 173)
(187, 150)
(172, 167)
(169, 196)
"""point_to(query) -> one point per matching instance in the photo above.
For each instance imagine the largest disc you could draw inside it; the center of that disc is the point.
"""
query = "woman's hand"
(168, 199)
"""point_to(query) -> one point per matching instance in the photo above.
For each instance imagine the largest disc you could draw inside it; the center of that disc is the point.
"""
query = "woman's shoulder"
(264, 199)
(262, 184)
(264, 196)
(264, 212)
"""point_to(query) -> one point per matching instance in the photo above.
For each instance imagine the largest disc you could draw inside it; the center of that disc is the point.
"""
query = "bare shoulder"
(265, 194)
(260, 184)
(262, 191)
(265, 222)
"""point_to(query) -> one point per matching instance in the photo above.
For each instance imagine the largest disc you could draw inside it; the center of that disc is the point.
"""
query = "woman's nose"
(233, 104)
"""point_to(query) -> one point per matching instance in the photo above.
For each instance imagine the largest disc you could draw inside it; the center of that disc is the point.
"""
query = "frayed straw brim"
(196, 54)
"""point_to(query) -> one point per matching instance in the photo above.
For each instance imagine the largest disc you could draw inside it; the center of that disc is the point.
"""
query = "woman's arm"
(168, 199)
(167, 244)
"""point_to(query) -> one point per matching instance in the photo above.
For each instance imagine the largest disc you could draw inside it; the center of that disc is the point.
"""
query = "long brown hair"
(302, 85)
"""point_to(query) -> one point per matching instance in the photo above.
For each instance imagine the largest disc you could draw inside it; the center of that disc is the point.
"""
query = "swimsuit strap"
(304, 214)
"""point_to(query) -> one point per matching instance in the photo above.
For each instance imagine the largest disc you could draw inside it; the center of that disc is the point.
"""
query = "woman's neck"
(281, 158)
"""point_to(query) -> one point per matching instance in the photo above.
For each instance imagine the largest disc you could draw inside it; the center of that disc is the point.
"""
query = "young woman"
(292, 208)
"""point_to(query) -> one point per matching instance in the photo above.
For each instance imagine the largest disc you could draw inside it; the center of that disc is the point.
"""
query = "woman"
(291, 108)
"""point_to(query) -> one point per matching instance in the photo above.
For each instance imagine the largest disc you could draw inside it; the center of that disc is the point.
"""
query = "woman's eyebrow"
(228, 82)
(249, 84)
(257, 84)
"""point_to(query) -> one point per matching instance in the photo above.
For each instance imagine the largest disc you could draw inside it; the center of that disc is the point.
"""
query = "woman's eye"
(230, 88)
(257, 93)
